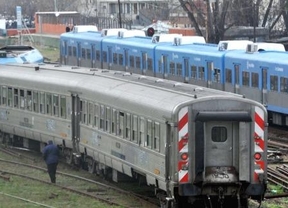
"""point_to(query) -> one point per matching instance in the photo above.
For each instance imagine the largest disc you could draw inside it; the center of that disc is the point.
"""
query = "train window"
(274, 83)
(149, 134)
(22, 99)
(283, 84)
(0, 95)
(16, 96)
(97, 55)
(138, 62)
(29, 100)
(142, 130)
(255, 79)
(74, 52)
(90, 113)
(10, 97)
(134, 129)
(121, 124)
(56, 105)
(48, 104)
(96, 115)
(179, 69)
(108, 119)
(35, 102)
(114, 121)
(131, 59)
(228, 76)
(201, 72)
(172, 68)
(219, 134)
(104, 56)
(121, 59)
(128, 126)
(69, 51)
(83, 53)
(88, 54)
(217, 75)
(193, 72)
(150, 64)
(63, 107)
(245, 78)
(42, 103)
(115, 59)
(102, 116)
(156, 142)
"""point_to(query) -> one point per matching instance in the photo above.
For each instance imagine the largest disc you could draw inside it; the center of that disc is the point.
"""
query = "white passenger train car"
(192, 144)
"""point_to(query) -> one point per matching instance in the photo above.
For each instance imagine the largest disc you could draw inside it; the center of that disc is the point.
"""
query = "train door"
(218, 144)
(75, 119)
(163, 68)
(93, 56)
(79, 54)
(126, 55)
(144, 63)
(64, 53)
(186, 70)
(110, 58)
(236, 78)
(210, 67)
(264, 86)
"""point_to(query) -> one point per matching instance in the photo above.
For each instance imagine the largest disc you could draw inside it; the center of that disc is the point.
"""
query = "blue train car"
(193, 63)
(133, 54)
(262, 76)
(78, 49)
(84, 48)
(20, 54)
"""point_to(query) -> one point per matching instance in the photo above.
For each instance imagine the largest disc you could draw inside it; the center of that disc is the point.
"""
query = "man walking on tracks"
(51, 156)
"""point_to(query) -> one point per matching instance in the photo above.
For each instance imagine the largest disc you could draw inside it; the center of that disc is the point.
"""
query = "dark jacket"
(51, 153)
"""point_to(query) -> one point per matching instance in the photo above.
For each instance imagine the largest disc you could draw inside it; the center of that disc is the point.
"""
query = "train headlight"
(184, 156)
(257, 156)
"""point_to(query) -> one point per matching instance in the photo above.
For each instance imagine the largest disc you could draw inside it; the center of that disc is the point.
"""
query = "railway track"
(83, 186)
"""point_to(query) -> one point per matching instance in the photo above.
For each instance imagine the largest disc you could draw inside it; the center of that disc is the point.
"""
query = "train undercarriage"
(219, 200)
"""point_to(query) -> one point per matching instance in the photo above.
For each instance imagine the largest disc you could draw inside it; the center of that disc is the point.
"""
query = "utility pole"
(120, 21)
(254, 22)
(55, 5)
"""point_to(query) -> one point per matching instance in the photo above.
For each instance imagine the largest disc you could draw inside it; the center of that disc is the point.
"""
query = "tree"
(220, 15)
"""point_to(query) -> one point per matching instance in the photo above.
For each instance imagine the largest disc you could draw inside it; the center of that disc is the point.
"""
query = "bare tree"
(211, 16)
(219, 16)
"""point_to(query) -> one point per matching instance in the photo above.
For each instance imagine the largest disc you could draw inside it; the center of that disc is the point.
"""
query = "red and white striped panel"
(183, 176)
(259, 143)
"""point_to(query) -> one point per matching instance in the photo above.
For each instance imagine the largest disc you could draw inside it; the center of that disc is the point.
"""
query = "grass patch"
(46, 194)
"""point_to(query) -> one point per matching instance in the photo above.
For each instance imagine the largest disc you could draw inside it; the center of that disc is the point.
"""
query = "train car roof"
(259, 56)
(133, 42)
(153, 96)
(199, 49)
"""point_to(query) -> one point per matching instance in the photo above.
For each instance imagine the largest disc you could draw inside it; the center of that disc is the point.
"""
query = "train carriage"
(133, 54)
(76, 52)
(192, 63)
(194, 145)
(85, 48)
